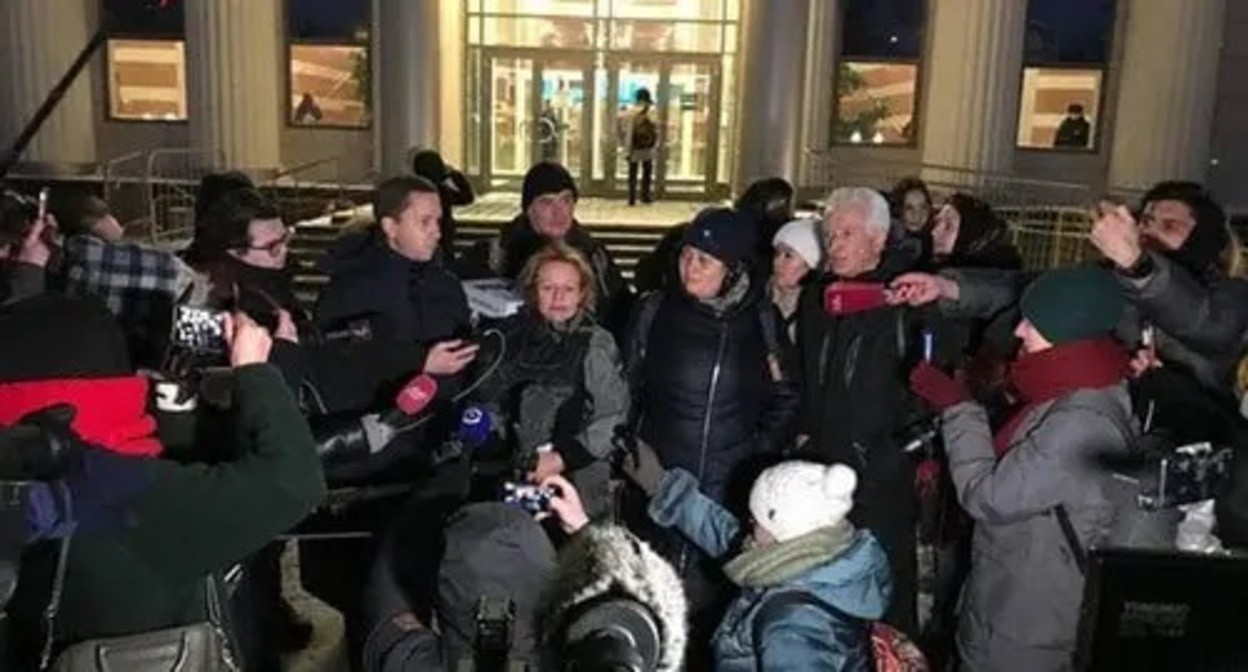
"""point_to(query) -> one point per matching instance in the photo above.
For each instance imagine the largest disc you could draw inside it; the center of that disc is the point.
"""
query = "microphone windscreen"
(848, 298)
(416, 394)
(474, 427)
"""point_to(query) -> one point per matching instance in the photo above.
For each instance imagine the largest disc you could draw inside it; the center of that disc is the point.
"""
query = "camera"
(530, 498)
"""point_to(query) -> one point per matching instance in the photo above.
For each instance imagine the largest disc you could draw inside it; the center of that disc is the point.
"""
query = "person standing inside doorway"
(641, 141)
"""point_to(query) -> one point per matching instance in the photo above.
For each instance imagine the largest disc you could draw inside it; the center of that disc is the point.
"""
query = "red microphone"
(415, 396)
(851, 298)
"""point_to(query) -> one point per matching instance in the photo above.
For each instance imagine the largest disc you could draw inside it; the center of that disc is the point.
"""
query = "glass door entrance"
(556, 106)
(685, 108)
(538, 112)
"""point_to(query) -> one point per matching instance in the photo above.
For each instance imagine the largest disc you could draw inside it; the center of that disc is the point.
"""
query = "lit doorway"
(686, 111)
(538, 111)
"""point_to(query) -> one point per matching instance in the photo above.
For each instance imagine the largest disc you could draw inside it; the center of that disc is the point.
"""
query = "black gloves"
(638, 461)
(41, 446)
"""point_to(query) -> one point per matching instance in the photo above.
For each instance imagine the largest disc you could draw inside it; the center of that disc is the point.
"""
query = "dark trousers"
(647, 175)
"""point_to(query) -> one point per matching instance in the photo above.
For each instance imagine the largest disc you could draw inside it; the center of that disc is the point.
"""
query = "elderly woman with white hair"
(855, 353)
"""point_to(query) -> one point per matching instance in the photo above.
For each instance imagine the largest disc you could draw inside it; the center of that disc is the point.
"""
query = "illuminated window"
(1067, 48)
(877, 78)
(330, 72)
(146, 58)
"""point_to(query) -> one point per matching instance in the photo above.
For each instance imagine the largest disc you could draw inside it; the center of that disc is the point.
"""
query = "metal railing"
(171, 179)
(299, 190)
(126, 192)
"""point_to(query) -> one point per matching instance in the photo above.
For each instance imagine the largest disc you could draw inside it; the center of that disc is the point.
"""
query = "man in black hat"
(548, 214)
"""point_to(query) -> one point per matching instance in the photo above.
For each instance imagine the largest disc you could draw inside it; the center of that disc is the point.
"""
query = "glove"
(642, 467)
(41, 446)
(936, 387)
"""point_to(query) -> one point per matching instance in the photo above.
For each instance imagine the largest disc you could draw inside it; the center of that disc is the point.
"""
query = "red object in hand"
(849, 298)
(936, 387)
(416, 394)
(926, 476)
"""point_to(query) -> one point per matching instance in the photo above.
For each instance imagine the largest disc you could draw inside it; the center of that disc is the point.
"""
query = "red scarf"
(111, 412)
(1041, 377)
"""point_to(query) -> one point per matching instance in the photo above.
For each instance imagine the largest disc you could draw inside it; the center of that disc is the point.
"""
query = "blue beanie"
(723, 233)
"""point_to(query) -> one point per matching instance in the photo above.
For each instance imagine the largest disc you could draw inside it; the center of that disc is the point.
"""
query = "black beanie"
(544, 178)
(53, 336)
(428, 164)
(723, 233)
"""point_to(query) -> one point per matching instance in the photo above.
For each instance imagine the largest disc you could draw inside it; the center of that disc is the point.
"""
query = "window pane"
(339, 20)
(882, 28)
(1059, 108)
(329, 85)
(147, 80)
(875, 103)
(143, 18)
(665, 36)
(1069, 31)
(557, 33)
(583, 8)
(704, 10)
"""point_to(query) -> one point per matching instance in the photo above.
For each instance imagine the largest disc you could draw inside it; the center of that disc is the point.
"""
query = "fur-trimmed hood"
(608, 559)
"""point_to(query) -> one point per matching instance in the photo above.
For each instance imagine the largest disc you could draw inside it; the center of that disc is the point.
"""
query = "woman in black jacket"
(707, 363)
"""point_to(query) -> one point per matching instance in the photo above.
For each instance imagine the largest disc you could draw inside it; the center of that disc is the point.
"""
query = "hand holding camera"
(249, 342)
(565, 504)
(1116, 234)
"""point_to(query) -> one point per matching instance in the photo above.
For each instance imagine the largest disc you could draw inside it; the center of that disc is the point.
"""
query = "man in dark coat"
(454, 190)
(548, 213)
(392, 276)
(858, 404)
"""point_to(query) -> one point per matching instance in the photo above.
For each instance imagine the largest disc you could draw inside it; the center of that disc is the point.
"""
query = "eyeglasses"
(274, 246)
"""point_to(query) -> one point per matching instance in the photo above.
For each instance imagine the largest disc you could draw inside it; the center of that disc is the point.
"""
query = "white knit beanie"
(802, 235)
(794, 498)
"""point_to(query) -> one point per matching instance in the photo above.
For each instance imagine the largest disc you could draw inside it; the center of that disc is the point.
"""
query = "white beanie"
(795, 498)
(802, 235)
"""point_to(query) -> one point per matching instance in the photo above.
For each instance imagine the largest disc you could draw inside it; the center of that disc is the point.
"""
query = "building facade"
(1108, 93)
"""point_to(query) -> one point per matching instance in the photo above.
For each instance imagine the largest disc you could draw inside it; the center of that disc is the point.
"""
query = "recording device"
(199, 331)
(491, 642)
(43, 203)
(1194, 473)
(1150, 610)
(471, 433)
(851, 298)
(531, 498)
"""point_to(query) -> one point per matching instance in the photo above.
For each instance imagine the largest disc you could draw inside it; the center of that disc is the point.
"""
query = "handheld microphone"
(371, 433)
(850, 298)
(472, 432)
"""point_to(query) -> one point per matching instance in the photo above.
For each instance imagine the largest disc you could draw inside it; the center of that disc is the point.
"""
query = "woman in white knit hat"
(798, 251)
(810, 583)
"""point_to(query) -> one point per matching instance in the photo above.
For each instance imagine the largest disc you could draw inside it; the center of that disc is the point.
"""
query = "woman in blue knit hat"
(706, 360)
(1036, 489)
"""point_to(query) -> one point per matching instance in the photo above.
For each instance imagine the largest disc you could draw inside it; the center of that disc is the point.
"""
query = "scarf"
(774, 564)
(111, 412)
(785, 299)
(1044, 376)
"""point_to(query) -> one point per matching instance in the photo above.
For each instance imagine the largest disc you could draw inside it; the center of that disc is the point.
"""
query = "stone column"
(39, 39)
(1167, 92)
(973, 80)
(408, 60)
(235, 87)
(822, 46)
(770, 98)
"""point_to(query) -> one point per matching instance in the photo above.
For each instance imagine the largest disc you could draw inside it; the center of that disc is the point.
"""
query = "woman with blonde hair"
(560, 387)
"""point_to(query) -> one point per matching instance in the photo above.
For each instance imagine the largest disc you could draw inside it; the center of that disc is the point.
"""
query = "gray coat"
(1021, 602)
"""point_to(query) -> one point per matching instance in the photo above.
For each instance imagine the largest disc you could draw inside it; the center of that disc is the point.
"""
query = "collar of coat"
(760, 567)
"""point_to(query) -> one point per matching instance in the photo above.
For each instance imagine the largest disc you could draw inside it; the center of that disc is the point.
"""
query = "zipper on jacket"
(706, 422)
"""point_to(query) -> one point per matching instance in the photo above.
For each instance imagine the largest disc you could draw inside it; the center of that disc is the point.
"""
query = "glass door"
(512, 109)
(538, 112)
(685, 109)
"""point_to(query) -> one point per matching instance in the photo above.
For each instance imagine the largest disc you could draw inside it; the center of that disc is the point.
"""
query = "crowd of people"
(791, 444)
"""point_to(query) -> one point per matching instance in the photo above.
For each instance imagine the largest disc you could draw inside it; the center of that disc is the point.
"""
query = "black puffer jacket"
(709, 397)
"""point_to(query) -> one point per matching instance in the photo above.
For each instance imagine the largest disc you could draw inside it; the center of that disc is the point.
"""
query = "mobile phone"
(199, 330)
(530, 498)
(849, 298)
(43, 203)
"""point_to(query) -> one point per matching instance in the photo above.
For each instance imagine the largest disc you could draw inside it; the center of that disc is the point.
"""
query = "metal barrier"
(125, 192)
(293, 188)
(171, 179)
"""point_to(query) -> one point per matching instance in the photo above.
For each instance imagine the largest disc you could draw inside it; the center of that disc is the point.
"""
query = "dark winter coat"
(192, 520)
(709, 396)
(420, 302)
(859, 411)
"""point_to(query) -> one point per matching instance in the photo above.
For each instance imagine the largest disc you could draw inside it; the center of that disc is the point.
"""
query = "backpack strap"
(1076, 548)
(768, 321)
(775, 604)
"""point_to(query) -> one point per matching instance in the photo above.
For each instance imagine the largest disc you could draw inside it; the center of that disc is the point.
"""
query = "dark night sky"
(1060, 31)
(309, 19)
